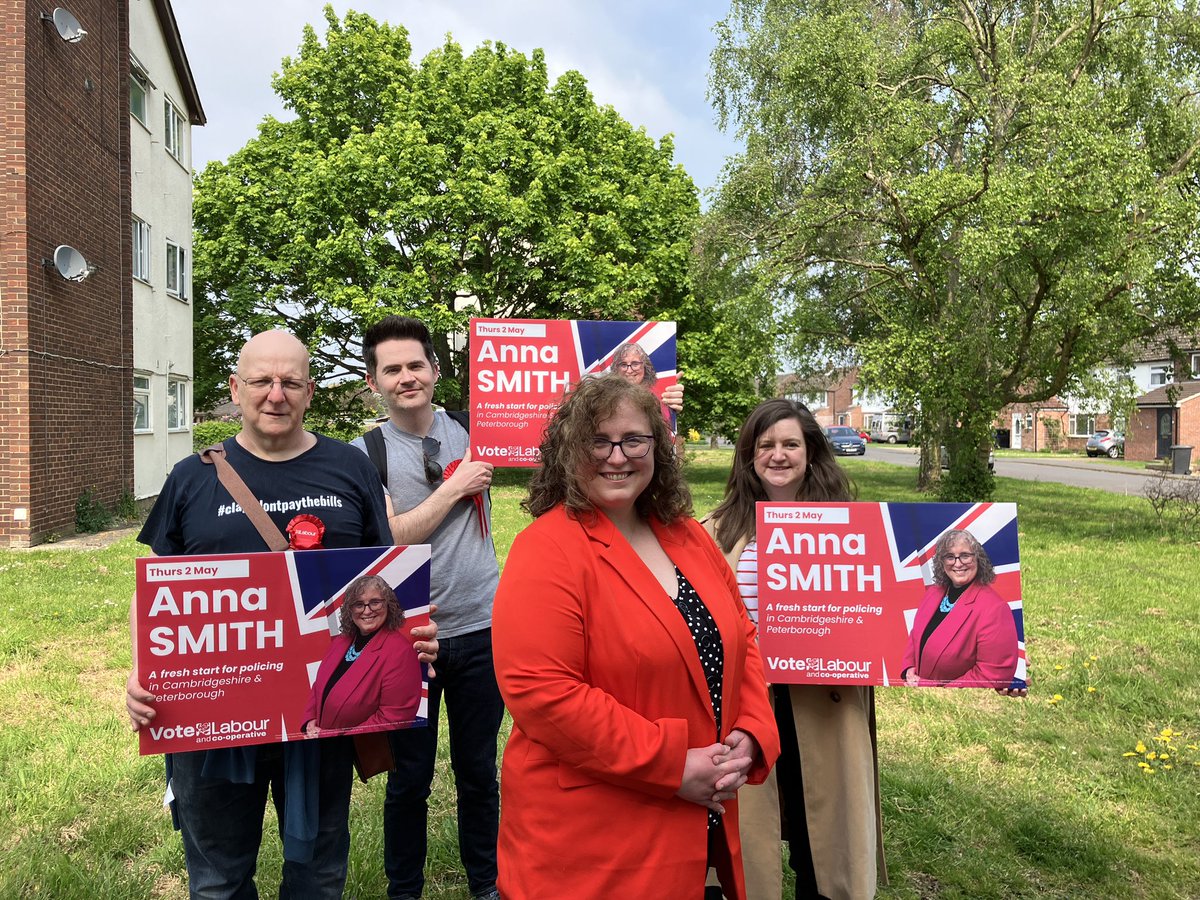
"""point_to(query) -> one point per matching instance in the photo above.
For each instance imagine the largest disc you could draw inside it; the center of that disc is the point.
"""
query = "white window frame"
(138, 79)
(1089, 420)
(1196, 365)
(141, 250)
(173, 129)
(178, 418)
(177, 266)
(1160, 375)
(141, 402)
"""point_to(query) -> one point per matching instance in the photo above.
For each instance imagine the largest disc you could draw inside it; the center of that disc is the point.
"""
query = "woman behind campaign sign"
(370, 675)
(629, 667)
(963, 634)
(826, 781)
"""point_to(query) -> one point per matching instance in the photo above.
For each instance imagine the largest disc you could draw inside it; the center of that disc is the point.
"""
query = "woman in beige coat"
(826, 782)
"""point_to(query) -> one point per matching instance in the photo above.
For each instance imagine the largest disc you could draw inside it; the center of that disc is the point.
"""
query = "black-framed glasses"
(635, 446)
(634, 366)
(374, 605)
(430, 448)
(961, 559)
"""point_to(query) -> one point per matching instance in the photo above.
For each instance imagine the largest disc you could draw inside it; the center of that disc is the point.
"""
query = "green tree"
(463, 185)
(979, 201)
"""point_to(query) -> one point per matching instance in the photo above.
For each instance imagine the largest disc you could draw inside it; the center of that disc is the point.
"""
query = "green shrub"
(90, 514)
(205, 434)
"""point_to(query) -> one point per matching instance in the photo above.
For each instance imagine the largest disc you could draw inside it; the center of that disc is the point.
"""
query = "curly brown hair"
(824, 479)
(985, 572)
(358, 587)
(567, 461)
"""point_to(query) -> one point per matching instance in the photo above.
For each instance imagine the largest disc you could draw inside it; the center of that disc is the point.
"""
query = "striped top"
(747, 579)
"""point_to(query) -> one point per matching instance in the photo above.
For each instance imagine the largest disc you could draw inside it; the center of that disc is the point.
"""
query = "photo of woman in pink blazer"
(370, 676)
(963, 634)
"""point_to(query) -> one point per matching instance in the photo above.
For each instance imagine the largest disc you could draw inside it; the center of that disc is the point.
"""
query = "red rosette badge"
(305, 532)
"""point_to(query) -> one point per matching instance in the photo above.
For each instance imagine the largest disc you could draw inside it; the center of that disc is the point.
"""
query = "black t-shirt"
(332, 481)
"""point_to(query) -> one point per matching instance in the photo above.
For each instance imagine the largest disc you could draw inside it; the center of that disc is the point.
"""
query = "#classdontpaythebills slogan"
(840, 586)
(230, 644)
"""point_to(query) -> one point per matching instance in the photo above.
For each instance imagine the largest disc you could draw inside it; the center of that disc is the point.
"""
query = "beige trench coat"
(835, 731)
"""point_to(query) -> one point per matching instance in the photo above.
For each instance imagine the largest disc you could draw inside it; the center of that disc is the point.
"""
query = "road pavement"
(1081, 472)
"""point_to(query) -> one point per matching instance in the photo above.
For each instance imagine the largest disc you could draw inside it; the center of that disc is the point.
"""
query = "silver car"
(1106, 443)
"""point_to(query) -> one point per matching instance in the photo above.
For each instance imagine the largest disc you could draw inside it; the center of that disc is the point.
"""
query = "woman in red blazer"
(629, 667)
(964, 634)
(370, 676)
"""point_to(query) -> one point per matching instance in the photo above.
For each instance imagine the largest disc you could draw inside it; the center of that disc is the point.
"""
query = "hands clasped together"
(714, 773)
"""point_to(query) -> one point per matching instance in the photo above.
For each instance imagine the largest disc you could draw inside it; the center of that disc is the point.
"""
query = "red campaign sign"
(848, 593)
(520, 369)
(242, 648)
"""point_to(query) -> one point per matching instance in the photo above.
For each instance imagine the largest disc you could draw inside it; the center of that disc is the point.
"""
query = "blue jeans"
(221, 823)
(474, 710)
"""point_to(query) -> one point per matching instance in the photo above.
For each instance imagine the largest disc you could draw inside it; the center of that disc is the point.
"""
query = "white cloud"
(649, 61)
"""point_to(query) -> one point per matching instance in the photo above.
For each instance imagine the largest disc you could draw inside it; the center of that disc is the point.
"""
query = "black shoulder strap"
(462, 417)
(377, 450)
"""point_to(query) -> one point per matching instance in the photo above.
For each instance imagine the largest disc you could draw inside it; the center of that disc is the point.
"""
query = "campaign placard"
(854, 593)
(246, 648)
(520, 369)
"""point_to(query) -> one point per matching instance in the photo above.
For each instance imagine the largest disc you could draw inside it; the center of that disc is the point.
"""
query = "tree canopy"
(463, 185)
(976, 201)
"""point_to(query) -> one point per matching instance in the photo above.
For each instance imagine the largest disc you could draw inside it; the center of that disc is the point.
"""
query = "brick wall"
(65, 370)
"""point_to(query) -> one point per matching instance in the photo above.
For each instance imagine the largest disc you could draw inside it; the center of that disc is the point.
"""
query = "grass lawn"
(983, 796)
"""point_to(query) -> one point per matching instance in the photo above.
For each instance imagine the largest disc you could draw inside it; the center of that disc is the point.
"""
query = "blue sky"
(649, 60)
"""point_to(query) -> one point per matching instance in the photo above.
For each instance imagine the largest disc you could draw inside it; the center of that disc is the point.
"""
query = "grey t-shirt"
(463, 572)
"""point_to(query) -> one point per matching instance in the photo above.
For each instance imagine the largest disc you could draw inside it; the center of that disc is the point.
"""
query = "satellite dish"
(68, 26)
(70, 263)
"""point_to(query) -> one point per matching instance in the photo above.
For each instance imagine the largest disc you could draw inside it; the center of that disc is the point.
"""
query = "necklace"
(354, 651)
(947, 604)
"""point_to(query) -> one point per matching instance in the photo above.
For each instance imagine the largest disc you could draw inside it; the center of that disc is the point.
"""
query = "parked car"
(1107, 443)
(892, 434)
(944, 458)
(846, 441)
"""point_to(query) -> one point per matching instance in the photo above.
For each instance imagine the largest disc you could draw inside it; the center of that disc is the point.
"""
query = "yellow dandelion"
(1193, 746)
(1129, 753)
(1091, 690)
(1093, 658)
(1151, 755)
(1058, 668)
(1143, 765)
(1168, 767)
(1086, 664)
(1057, 697)
(1140, 748)
(1167, 732)
(1165, 757)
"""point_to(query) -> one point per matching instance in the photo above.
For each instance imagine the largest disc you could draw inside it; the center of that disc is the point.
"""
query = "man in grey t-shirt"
(439, 496)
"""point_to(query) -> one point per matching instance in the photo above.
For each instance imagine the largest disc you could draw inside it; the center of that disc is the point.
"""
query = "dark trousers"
(474, 711)
(221, 823)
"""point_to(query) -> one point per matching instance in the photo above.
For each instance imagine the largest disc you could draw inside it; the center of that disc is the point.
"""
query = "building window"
(139, 93)
(1082, 424)
(141, 249)
(141, 403)
(1196, 365)
(172, 129)
(177, 404)
(1161, 375)
(177, 271)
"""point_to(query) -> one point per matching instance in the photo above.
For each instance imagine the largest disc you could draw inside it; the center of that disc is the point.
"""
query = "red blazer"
(606, 691)
(974, 646)
(381, 687)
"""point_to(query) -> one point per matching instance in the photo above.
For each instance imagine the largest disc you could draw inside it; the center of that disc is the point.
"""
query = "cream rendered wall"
(162, 197)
